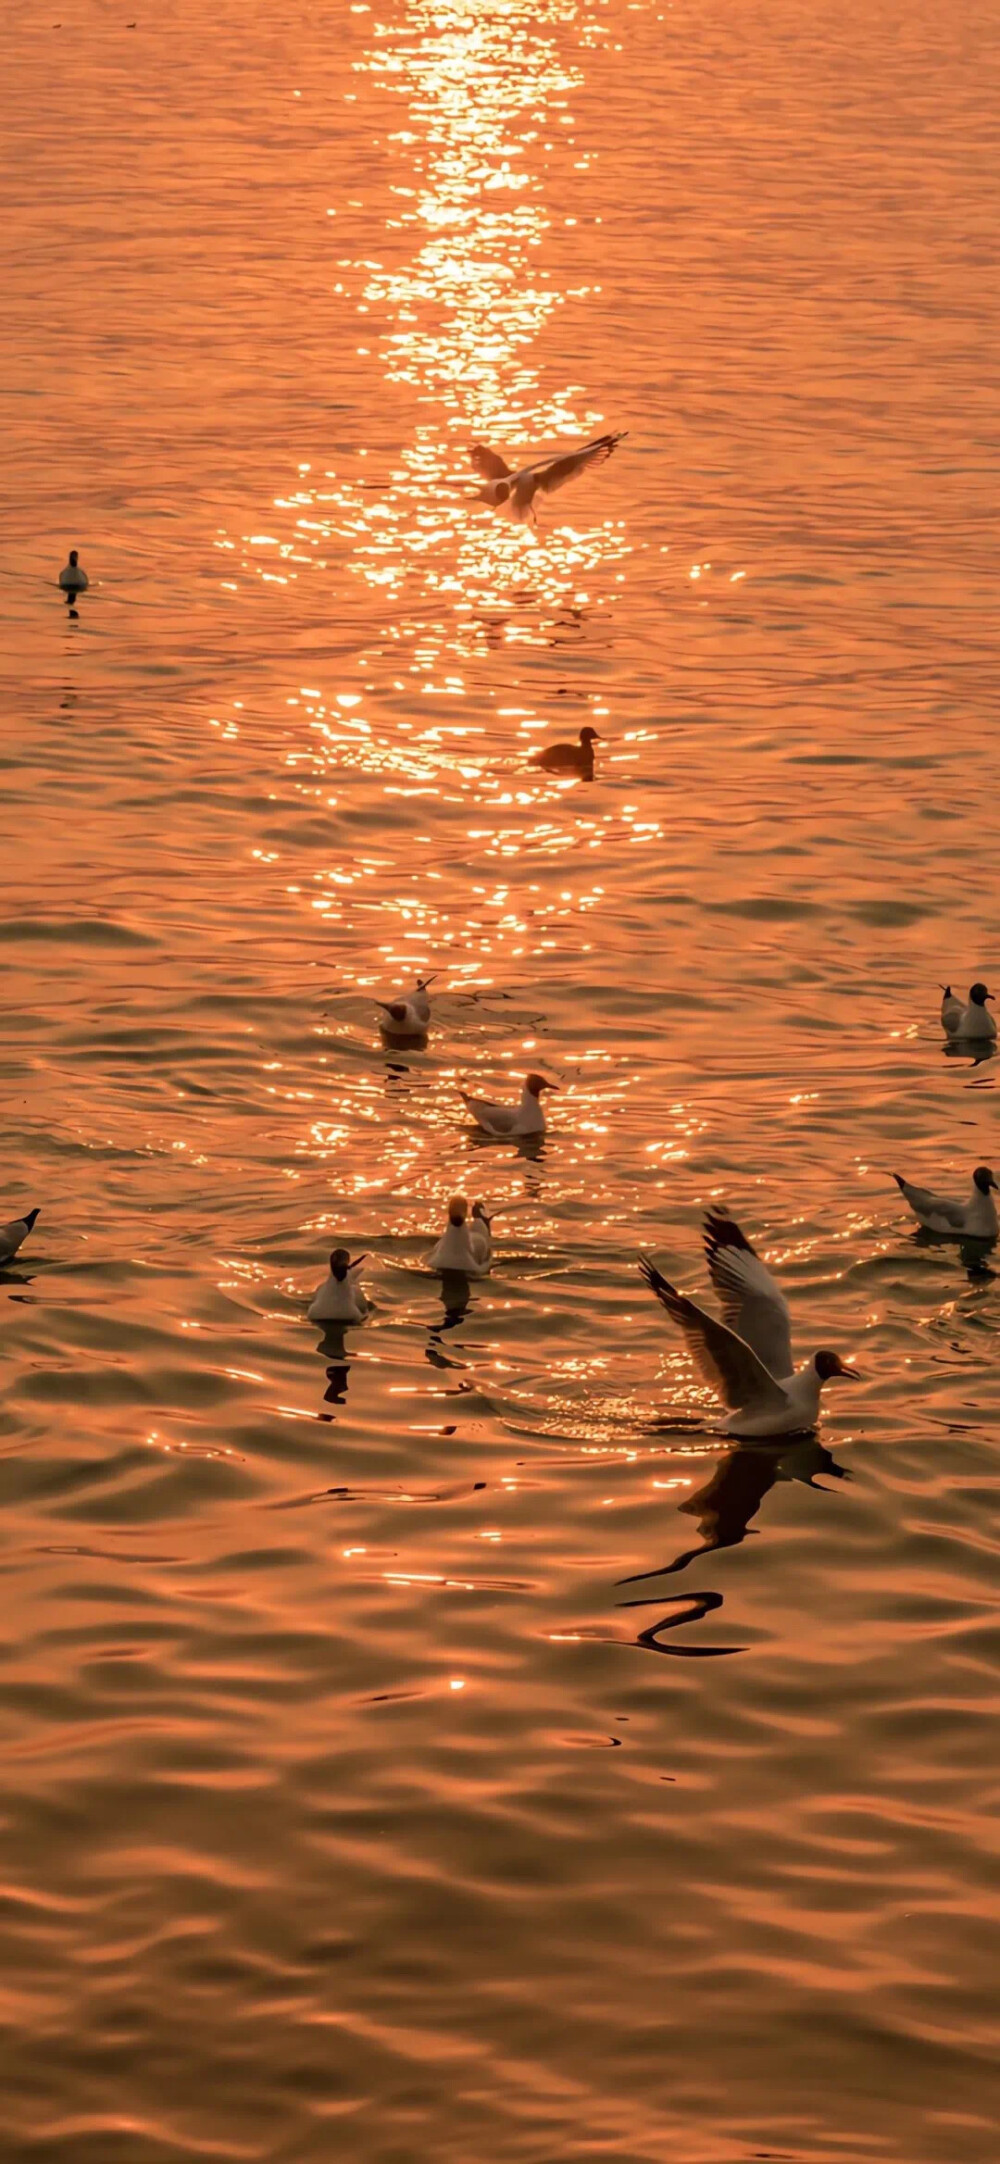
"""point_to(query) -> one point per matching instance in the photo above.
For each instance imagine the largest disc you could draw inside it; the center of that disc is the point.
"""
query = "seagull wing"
(926, 1204)
(553, 473)
(493, 1119)
(489, 463)
(752, 1303)
(726, 1361)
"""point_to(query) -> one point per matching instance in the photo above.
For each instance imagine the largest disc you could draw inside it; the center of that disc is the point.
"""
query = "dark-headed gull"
(12, 1235)
(511, 1121)
(747, 1358)
(516, 487)
(463, 1247)
(406, 1017)
(73, 578)
(340, 1297)
(569, 758)
(972, 1021)
(972, 1220)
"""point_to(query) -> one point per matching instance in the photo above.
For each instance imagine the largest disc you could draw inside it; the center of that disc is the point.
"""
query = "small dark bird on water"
(569, 758)
(73, 578)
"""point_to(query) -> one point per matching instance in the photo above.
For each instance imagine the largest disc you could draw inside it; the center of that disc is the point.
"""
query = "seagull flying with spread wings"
(747, 1357)
(515, 488)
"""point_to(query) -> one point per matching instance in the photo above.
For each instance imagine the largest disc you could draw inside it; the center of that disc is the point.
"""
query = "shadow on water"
(724, 1507)
(975, 1050)
(972, 1254)
(334, 1350)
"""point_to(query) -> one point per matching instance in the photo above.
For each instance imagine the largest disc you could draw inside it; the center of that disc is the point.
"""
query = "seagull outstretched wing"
(552, 473)
(726, 1361)
(753, 1305)
(489, 463)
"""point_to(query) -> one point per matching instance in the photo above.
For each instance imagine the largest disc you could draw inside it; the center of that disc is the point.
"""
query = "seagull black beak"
(853, 1374)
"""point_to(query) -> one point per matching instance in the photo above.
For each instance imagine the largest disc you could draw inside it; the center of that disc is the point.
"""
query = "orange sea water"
(350, 1809)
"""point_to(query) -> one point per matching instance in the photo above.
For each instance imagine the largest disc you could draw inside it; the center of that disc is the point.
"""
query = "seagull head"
(458, 1210)
(590, 736)
(479, 1211)
(979, 995)
(828, 1364)
(340, 1263)
(74, 558)
(983, 1179)
(536, 1083)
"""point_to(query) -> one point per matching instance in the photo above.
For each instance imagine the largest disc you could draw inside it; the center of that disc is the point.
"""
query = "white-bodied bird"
(12, 1235)
(340, 1297)
(972, 1020)
(747, 1358)
(406, 1017)
(515, 488)
(972, 1220)
(464, 1247)
(73, 578)
(510, 1122)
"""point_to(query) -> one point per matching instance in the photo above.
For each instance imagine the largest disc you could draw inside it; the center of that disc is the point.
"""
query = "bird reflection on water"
(334, 1350)
(724, 1507)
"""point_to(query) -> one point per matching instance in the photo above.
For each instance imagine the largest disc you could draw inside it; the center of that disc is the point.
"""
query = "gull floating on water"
(516, 487)
(12, 1235)
(463, 1248)
(406, 1017)
(569, 758)
(747, 1358)
(526, 1118)
(970, 1021)
(73, 578)
(340, 1297)
(972, 1220)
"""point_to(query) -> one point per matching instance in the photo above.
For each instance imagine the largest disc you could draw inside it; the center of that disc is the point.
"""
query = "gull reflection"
(334, 1350)
(456, 1292)
(736, 1489)
(974, 1049)
(972, 1254)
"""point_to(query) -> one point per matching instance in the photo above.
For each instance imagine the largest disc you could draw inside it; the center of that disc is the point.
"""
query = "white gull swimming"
(13, 1235)
(340, 1297)
(408, 1017)
(510, 1122)
(972, 1220)
(971, 1020)
(463, 1247)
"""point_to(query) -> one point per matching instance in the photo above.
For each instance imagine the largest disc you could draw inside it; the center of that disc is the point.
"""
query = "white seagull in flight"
(517, 487)
(747, 1358)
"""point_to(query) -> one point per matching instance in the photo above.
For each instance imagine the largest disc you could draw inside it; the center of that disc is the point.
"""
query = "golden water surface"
(353, 1806)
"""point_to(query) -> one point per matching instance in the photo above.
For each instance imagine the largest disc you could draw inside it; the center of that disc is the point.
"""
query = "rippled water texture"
(353, 1806)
